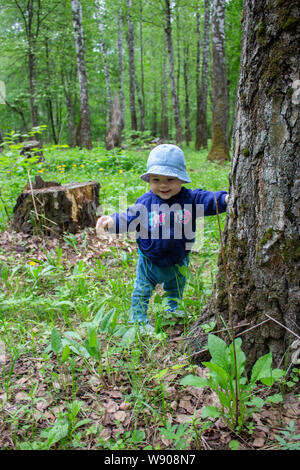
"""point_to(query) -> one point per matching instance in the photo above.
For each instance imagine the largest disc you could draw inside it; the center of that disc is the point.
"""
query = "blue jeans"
(148, 275)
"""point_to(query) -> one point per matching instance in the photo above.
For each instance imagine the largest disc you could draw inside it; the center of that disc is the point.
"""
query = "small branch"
(31, 189)
(283, 326)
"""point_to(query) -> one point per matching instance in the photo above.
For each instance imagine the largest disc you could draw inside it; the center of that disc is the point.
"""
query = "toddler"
(164, 220)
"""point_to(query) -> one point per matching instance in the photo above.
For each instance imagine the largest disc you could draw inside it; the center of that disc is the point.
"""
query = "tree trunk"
(132, 84)
(142, 88)
(175, 101)
(201, 119)
(120, 50)
(85, 125)
(186, 75)
(104, 57)
(51, 208)
(220, 112)
(261, 235)
(113, 137)
(164, 131)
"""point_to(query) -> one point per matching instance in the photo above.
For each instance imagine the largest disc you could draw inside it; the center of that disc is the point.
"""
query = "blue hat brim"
(166, 171)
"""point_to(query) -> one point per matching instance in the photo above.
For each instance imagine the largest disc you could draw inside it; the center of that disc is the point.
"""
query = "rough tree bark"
(187, 109)
(120, 51)
(48, 207)
(99, 13)
(164, 121)
(31, 16)
(168, 30)
(132, 83)
(85, 123)
(220, 109)
(201, 118)
(261, 234)
(113, 136)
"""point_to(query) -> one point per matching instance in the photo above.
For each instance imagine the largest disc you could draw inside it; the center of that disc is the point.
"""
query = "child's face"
(165, 186)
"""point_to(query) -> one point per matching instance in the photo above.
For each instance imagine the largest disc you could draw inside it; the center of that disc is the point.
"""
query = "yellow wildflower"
(32, 263)
(121, 171)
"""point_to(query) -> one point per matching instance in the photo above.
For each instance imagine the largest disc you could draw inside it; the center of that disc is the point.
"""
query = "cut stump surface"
(53, 208)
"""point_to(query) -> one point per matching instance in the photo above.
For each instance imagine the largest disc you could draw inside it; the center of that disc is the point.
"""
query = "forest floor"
(73, 373)
(133, 399)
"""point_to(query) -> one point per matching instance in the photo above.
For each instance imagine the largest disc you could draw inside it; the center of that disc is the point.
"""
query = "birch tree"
(132, 81)
(201, 115)
(85, 124)
(220, 110)
(175, 101)
(99, 13)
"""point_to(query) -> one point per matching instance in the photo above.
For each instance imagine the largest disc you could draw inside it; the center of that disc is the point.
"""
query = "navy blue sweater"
(165, 229)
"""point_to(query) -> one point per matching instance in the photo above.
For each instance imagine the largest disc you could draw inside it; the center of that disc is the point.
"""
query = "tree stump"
(31, 149)
(52, 209)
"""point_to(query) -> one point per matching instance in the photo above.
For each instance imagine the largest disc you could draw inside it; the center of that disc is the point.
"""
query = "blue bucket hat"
(166, 160)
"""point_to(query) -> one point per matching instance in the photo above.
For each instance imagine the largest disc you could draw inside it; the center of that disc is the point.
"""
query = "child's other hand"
(104, 222)
(226, 198)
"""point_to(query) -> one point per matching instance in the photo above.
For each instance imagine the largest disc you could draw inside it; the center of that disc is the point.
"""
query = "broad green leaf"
(276, 398)
(240, 358)
(65, 353)
(138, 436)
(256, 401)
(128, 337)
(92, 336)
(218, 350)
(56, 344)
(234, 445)
(224, 399)
(210, 412)
(220, 374)
(262, 368)
(194, 381)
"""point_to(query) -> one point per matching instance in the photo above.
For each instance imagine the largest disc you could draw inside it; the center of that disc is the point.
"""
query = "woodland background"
(39, 67)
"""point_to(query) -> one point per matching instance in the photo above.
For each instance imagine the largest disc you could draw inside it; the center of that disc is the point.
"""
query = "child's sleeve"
(128, 221)
(207, 198)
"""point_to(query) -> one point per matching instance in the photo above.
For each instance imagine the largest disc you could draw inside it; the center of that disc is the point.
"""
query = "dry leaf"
(120, 416)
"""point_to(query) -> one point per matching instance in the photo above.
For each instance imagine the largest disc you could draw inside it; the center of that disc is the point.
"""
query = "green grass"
(75, 374)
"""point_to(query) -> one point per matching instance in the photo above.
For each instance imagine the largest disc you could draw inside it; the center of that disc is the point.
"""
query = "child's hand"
(226, 198)
(104, 223)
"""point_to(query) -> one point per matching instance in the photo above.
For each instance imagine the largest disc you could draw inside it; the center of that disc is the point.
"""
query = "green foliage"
(289, 439)
(228, 379)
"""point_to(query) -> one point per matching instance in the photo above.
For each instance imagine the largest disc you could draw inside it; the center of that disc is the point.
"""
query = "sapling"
(228, 379)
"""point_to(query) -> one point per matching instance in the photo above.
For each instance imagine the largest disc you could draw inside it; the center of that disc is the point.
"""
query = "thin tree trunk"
(175, 101)
(153, 100)
(85, 123)
(68, 79)
(132, 82)
(201, 119)
(121, 73)
(261, 235)
(49, 98)
(164, 133)
(105, 62)
(220, 112)
(142, 93)
(186, 74)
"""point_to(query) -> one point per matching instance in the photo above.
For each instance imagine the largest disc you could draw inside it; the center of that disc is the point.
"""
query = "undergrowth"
(74, 373)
